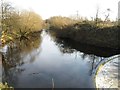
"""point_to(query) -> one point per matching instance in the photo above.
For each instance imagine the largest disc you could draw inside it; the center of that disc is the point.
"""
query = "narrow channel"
(45, 63)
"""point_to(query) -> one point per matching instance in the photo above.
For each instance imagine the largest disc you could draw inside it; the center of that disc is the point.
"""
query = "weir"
(100, 66)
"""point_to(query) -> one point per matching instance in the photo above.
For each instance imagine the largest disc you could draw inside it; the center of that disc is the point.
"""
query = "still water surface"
(44, 62)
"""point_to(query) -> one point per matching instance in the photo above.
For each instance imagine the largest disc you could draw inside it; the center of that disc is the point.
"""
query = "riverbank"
(8, 38)
(106, 37)
(86, 48)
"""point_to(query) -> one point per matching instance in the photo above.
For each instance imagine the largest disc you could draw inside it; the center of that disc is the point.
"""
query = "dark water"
(47, 62)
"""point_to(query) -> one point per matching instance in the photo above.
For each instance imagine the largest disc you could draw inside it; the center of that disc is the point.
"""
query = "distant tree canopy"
(60, 22)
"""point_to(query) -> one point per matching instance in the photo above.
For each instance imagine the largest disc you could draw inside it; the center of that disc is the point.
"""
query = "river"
(47, 62)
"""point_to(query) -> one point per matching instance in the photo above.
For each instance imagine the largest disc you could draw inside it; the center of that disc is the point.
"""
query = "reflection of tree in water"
(65, 44)
(27, 45)
(64, 48)
(95, 57)
(67, 47)
(13, 57)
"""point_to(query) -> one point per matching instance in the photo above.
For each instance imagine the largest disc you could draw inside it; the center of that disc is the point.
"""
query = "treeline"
(101, 33)
(18, 24)
(62, 22)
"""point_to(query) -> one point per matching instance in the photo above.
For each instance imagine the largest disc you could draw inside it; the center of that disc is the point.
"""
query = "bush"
(59, 22)
(17, 24)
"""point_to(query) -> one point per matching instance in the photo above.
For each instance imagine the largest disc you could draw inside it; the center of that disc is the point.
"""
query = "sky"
(85, 8)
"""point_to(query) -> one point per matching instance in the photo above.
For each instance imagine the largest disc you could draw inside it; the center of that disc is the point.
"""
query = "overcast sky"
(86, 8)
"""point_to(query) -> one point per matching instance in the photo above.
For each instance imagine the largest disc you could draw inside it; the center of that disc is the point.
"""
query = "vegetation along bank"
(102, 34)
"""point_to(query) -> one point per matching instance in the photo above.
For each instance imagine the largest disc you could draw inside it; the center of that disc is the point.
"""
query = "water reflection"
(95, 55)
(14, 54)
(40, 61)
(69, 46)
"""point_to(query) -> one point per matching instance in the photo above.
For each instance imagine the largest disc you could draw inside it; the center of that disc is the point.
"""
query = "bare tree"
(96, 18)
(15, 24)
(108, 14)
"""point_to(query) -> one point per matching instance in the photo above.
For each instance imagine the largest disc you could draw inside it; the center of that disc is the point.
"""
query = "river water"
(47, 62)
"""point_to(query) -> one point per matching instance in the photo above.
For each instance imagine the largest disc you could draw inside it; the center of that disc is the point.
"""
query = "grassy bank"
(101, 35)
(12, 38)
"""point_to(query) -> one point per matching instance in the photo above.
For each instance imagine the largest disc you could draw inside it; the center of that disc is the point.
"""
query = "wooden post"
(0, 59)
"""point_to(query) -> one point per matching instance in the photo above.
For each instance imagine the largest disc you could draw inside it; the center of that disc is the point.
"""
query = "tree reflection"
(91, 54)
(13, 58)
(69, 46)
